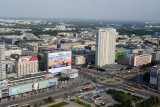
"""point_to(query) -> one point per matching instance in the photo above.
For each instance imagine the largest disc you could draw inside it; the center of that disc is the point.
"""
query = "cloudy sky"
(82, 9)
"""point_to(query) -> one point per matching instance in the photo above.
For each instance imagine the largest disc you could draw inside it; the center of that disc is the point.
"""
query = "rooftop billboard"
(26, 59)
(59, 61)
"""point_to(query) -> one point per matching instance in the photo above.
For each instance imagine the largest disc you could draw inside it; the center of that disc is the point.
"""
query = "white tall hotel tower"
(105, 46)
(2, 61)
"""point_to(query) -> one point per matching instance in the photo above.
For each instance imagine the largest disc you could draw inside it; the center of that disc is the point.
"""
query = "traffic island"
(59, 104)
(80, 102)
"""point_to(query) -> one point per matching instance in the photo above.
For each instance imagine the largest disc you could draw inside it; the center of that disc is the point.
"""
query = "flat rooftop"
(69, 71)
(113, 67)
(30, 76)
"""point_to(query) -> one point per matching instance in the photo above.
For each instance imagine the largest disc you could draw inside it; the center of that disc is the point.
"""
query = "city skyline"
(90, 53)
(144, 10)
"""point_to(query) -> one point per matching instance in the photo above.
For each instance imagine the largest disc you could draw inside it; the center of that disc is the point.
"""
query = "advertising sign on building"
(16, 90)
(35, 86)
(26, 59)
(153, 76)
(59, 61)
(49, 75)
(52, 82)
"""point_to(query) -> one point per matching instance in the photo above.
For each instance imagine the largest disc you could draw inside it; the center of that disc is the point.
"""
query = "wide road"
(39, 97)
(73, 90)
(147, 93)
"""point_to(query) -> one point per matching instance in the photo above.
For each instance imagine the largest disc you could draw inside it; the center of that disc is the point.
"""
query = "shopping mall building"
(25, 84)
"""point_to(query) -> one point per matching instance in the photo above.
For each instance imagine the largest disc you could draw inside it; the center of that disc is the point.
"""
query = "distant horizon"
(77, 19)
(122, 10)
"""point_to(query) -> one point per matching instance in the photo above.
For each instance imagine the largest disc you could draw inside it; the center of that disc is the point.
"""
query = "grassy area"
(158, 105)
(123, 97)
(81, 103)
(151, 102)
(59, 104)
(111, 82)
(46, 101)
(96, 105)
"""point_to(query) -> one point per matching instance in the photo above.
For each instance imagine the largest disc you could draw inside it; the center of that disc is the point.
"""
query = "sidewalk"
(56, 102)
(70, 103)
(92, 105)
(53, 94)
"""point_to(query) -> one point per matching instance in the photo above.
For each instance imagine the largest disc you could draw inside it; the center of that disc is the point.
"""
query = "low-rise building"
(142, 59)
(10, 65)
(156, 56)
(13, 51)
(78, 60)
(71, 73)
(90, 57)
(30, 45)
(134, 60)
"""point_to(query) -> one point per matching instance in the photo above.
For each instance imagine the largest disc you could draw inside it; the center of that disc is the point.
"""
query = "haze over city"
(138, 10)
(79, 53)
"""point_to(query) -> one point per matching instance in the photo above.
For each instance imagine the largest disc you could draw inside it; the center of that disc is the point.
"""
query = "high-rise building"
(105, 46)
(155, 76)
(56, 61)
(2, 61)
(26, 65)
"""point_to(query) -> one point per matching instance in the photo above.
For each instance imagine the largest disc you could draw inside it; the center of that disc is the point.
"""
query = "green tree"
(102, 104)
(121, 69)
(91, 67)
(149, 102)
(84, 65)
(61, 79)
(128, 68)
(50, 99)
(67, 79)
(39, 57)
(128, 103)
(36, 105)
